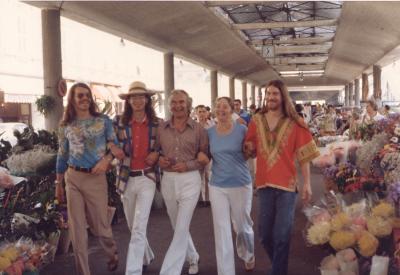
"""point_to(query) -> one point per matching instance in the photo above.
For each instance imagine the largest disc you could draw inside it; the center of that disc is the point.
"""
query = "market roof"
(311, 43)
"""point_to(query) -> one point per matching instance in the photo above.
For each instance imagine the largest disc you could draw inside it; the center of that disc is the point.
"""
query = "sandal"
(112, 264)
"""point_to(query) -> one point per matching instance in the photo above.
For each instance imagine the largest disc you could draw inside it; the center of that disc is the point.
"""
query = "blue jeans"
(276, 216)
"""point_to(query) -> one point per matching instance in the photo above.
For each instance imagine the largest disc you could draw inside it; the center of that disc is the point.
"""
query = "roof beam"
(298, 41)
(313, 67)
(290, 24)
(230, 3)
(297, 60)
(324, 48)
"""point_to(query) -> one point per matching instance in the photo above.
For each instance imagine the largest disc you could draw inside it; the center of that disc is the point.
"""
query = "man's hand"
(202, 158)
(180, 167)
(164, 162)
(117, 152)
(151, 159)
(101, 166)
(248, 150)
(59, 193)
(306, 193)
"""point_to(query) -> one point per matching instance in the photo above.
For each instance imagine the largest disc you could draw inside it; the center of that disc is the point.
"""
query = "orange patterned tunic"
(277, 151)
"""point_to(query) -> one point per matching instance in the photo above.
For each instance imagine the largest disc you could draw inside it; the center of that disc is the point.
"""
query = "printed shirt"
(83, 142)
(183, 146)
(140, 144)
(277, 151)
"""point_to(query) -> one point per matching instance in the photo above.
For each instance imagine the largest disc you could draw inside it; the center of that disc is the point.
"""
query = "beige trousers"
(87, 205)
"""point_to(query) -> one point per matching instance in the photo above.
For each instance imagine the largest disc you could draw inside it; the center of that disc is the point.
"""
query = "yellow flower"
(383, 209)
(342, 239)
(339, 221)
(367, 244)
(379, 227)
(319, 233)
(4, 263)
(10, 253)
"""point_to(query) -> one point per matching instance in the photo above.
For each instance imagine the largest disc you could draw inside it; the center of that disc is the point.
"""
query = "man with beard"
(184, 149)
(278, 137)
(87, 146)
(137, 131)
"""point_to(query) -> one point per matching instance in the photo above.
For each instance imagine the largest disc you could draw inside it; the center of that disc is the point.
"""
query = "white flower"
(397, 130)
(394, 139)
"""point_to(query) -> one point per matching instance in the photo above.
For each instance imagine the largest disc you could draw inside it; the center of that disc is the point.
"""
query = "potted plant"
(45, 104)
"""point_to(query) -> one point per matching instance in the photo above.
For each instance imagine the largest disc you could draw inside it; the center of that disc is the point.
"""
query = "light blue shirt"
(229, 167)
(82, 143)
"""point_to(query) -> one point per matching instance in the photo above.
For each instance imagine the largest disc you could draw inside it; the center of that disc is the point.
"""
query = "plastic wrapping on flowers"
(26, 255)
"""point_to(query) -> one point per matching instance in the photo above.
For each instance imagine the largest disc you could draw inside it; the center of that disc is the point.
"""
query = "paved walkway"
(303, 260)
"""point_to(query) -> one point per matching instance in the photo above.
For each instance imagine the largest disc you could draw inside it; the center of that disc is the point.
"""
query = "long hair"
(148, 108)
(287, 104)
(70, 112)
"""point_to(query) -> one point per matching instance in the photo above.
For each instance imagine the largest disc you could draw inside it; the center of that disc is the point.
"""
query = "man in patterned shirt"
(86, 148)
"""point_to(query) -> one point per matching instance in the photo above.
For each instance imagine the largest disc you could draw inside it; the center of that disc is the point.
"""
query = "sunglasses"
(82, 95)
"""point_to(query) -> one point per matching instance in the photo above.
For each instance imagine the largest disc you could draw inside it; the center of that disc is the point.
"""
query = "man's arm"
(306, 191)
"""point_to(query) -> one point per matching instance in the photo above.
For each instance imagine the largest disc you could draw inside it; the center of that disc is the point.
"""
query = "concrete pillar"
(52, 66)
(351, 94)
(169, 80)
(244, 95)
(377, 71)
(357, 92)
(214, 88)
(259, 98)
(346, 95)
(365, 87)
(253, 94)
(232, 88)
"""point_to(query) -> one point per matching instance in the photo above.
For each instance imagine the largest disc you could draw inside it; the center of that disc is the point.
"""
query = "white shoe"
(193, 268)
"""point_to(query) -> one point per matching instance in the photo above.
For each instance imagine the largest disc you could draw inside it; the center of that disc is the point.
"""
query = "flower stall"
(358, 219)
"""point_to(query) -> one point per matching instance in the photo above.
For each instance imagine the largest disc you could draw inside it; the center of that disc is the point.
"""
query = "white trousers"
(226, 204)
(181, 192)
(137, 200)
(205, 179)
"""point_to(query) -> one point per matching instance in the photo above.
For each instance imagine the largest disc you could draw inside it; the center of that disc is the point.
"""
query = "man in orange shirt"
(278, 137)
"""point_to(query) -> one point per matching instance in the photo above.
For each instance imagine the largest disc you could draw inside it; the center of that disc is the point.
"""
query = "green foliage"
(45, 104)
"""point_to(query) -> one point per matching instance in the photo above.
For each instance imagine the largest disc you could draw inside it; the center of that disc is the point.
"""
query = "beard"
(273, 105)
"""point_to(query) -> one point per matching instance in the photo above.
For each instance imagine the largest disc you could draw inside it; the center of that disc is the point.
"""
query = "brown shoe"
(112, 264)
(249, 266)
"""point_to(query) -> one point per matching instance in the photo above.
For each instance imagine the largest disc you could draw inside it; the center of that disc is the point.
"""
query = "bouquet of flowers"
(367, 153)
(343, 177)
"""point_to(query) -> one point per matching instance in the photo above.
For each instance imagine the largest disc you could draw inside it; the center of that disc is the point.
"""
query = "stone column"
(169, 80)
(357, 92)
(259, 101)
(214, 88)
(52, 66)
(232, 88)
(253, 94)
(365, 88)
(244, 95)
(377, 82)
(351, 94)
(346, 95)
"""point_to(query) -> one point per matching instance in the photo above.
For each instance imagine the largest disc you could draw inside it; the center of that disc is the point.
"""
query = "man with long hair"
(136, 181)
(184, 150)
(278, 136)
(87, 145)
